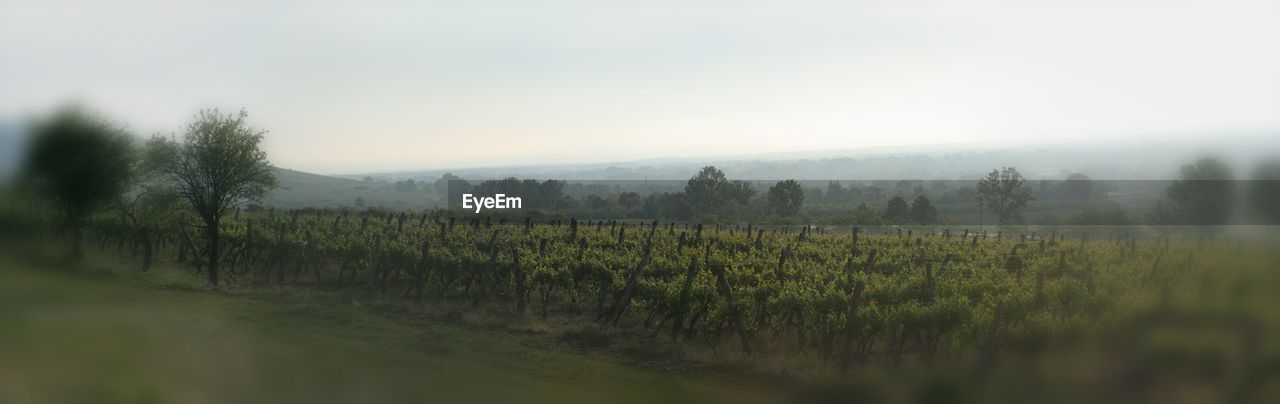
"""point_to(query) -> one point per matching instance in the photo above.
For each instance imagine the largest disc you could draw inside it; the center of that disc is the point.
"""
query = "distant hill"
(1110, 160)
(11, 139)
(300, 189)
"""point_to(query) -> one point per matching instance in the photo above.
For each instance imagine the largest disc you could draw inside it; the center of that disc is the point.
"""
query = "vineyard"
(836, 297)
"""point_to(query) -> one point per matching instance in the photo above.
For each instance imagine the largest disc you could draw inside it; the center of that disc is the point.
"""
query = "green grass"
(106, 334)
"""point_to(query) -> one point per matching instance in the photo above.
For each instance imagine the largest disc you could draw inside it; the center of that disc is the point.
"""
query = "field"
(300, 189)
(106, 333)
(885, 314)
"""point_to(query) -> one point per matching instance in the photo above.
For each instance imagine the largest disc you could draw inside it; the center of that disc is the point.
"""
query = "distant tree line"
(83, 165)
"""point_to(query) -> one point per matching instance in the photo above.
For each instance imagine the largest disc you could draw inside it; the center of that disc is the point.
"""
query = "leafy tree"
(441, 186)
(218, 165)
(81, 163)
(897, 211)
(671, 205)
(786, 197)
(739, 192)
(629, 200)
(595, 202)
(922, 211)
(864, 215)
(1078, 186)
(1203, 194)
(1004, 191)
(1264, 192)
(451, 196)
(705, 190)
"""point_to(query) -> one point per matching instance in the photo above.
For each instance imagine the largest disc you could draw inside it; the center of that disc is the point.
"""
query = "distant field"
(299, 189)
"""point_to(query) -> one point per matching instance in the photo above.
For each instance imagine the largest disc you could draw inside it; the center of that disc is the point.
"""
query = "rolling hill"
(300, 189)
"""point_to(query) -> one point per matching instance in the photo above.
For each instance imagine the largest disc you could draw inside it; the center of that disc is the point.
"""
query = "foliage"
(1203, 195)
(217, 166)
(705, 190)
(81, 163)
(1004, 192)
(922, 211)
(897, 210)
(786, 197)
(1079, 186)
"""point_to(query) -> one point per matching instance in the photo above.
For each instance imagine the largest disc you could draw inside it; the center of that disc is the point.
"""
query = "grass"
(106, 334)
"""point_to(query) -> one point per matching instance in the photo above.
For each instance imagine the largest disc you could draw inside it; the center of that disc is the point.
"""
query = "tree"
(1078, 186)
(1264, 192)
(151, 211)
(922, 211)
(1004, 191)
(218, 165)
(705, 190)
(897, 210)
(81, 163)
(739, 192)
(1203, 194)
(864, 215)
(786, 197)
(629, 200)
(449, 188)
(406, 186)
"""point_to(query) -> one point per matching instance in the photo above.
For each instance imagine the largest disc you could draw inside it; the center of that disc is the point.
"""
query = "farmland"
(811, 303)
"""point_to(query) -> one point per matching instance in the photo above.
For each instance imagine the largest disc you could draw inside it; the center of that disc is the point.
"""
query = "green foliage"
(79, 162)
(897, 210)
(1203, 195)
(629, 200)
(705, 190)
(786, 197)
(1078, 186)
(218, 165)
(1004, 192)
(922, 211)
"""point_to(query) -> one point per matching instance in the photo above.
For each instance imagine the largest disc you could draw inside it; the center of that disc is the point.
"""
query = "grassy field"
(299, 189)
(105, 334)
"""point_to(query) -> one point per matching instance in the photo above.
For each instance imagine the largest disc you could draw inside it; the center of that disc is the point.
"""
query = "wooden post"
(850, 327)
(853, 242)
(420, 276)
(519, 274)
(633, 278)
(682, 306)
(726, 292)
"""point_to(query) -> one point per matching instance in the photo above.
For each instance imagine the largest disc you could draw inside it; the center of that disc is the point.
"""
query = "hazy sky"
(347, 88)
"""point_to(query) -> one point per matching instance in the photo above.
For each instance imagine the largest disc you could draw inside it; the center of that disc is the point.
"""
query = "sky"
(374, 86)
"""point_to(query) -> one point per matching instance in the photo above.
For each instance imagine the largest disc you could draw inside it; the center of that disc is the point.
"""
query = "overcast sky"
(346, 88)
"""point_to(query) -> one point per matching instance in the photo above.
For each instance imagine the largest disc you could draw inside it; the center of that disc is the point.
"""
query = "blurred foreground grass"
(106, 334)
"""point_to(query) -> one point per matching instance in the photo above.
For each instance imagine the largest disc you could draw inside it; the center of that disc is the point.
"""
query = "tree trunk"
(147, 252)
(213, 252)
